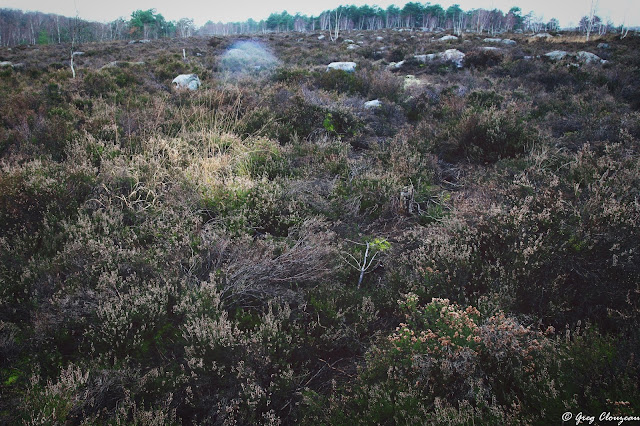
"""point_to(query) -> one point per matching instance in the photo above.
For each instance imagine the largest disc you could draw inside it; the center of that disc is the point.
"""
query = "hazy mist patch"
(248, 56)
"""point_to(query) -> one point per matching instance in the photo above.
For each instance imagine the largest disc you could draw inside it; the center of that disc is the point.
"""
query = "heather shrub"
(341, 81)
(489, 135)
(300, 114)
(444, 356)
(195, 257)
(480, 59)
(382, 84)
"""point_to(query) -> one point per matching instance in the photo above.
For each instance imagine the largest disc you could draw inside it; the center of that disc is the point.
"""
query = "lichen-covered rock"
(344, 66)
(582, 56)
(589, 58)
(453, 55)
(505, 41)
(373, 104)
(448, 38)
(187, 81)
(556, 55)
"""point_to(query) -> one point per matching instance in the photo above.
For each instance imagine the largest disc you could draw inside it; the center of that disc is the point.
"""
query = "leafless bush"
(254, 270)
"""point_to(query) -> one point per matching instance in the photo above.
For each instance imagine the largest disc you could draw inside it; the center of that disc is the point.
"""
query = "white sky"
(568, 12)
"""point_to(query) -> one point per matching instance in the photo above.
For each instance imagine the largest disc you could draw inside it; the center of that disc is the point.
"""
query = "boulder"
(583, 56)
(426, 58)
(448, 38)
(491, 49)
(450, 55)
(556, 55)
(352, 47)
(589, 58)
(492, 40)
(320, 37)
(543, 36)
(379, 38)
(348, 41)
(187, 81)
(344, 66)
(6, 64)
(603, 45)
(453, 55)
(373, 104)
(509, 42)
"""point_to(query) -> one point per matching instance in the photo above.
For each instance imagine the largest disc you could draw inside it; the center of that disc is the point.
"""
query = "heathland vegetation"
(274, 248)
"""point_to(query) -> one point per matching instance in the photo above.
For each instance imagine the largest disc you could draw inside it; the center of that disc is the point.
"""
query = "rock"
(588, 57)
(453, 55)
(583, 57)
(352, 47)
(373, 104)
(543, 35)
(344, 66)
(348, 41)
(320, 37)
(6, 64)
(491, 49)
(556, 55)
(187, 81)
(603, 45)
(450, 55)
(379, 38)
(505, 41)
(143, 41)
(448, 38)
(77, 53)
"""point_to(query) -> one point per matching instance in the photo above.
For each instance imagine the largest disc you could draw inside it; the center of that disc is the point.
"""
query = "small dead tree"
(366, 263)
(74, 36)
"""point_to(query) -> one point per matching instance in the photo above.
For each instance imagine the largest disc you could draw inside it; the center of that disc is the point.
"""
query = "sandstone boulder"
(373, 104)
(187, 81)
(344, 66)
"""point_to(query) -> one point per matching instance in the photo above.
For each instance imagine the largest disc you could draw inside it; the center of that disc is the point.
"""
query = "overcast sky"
(567, 11)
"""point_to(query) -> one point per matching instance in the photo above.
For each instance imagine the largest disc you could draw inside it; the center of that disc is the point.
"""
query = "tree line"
(17, 27)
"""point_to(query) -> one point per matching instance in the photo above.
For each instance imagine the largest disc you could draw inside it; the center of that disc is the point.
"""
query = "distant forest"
(17, 27)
